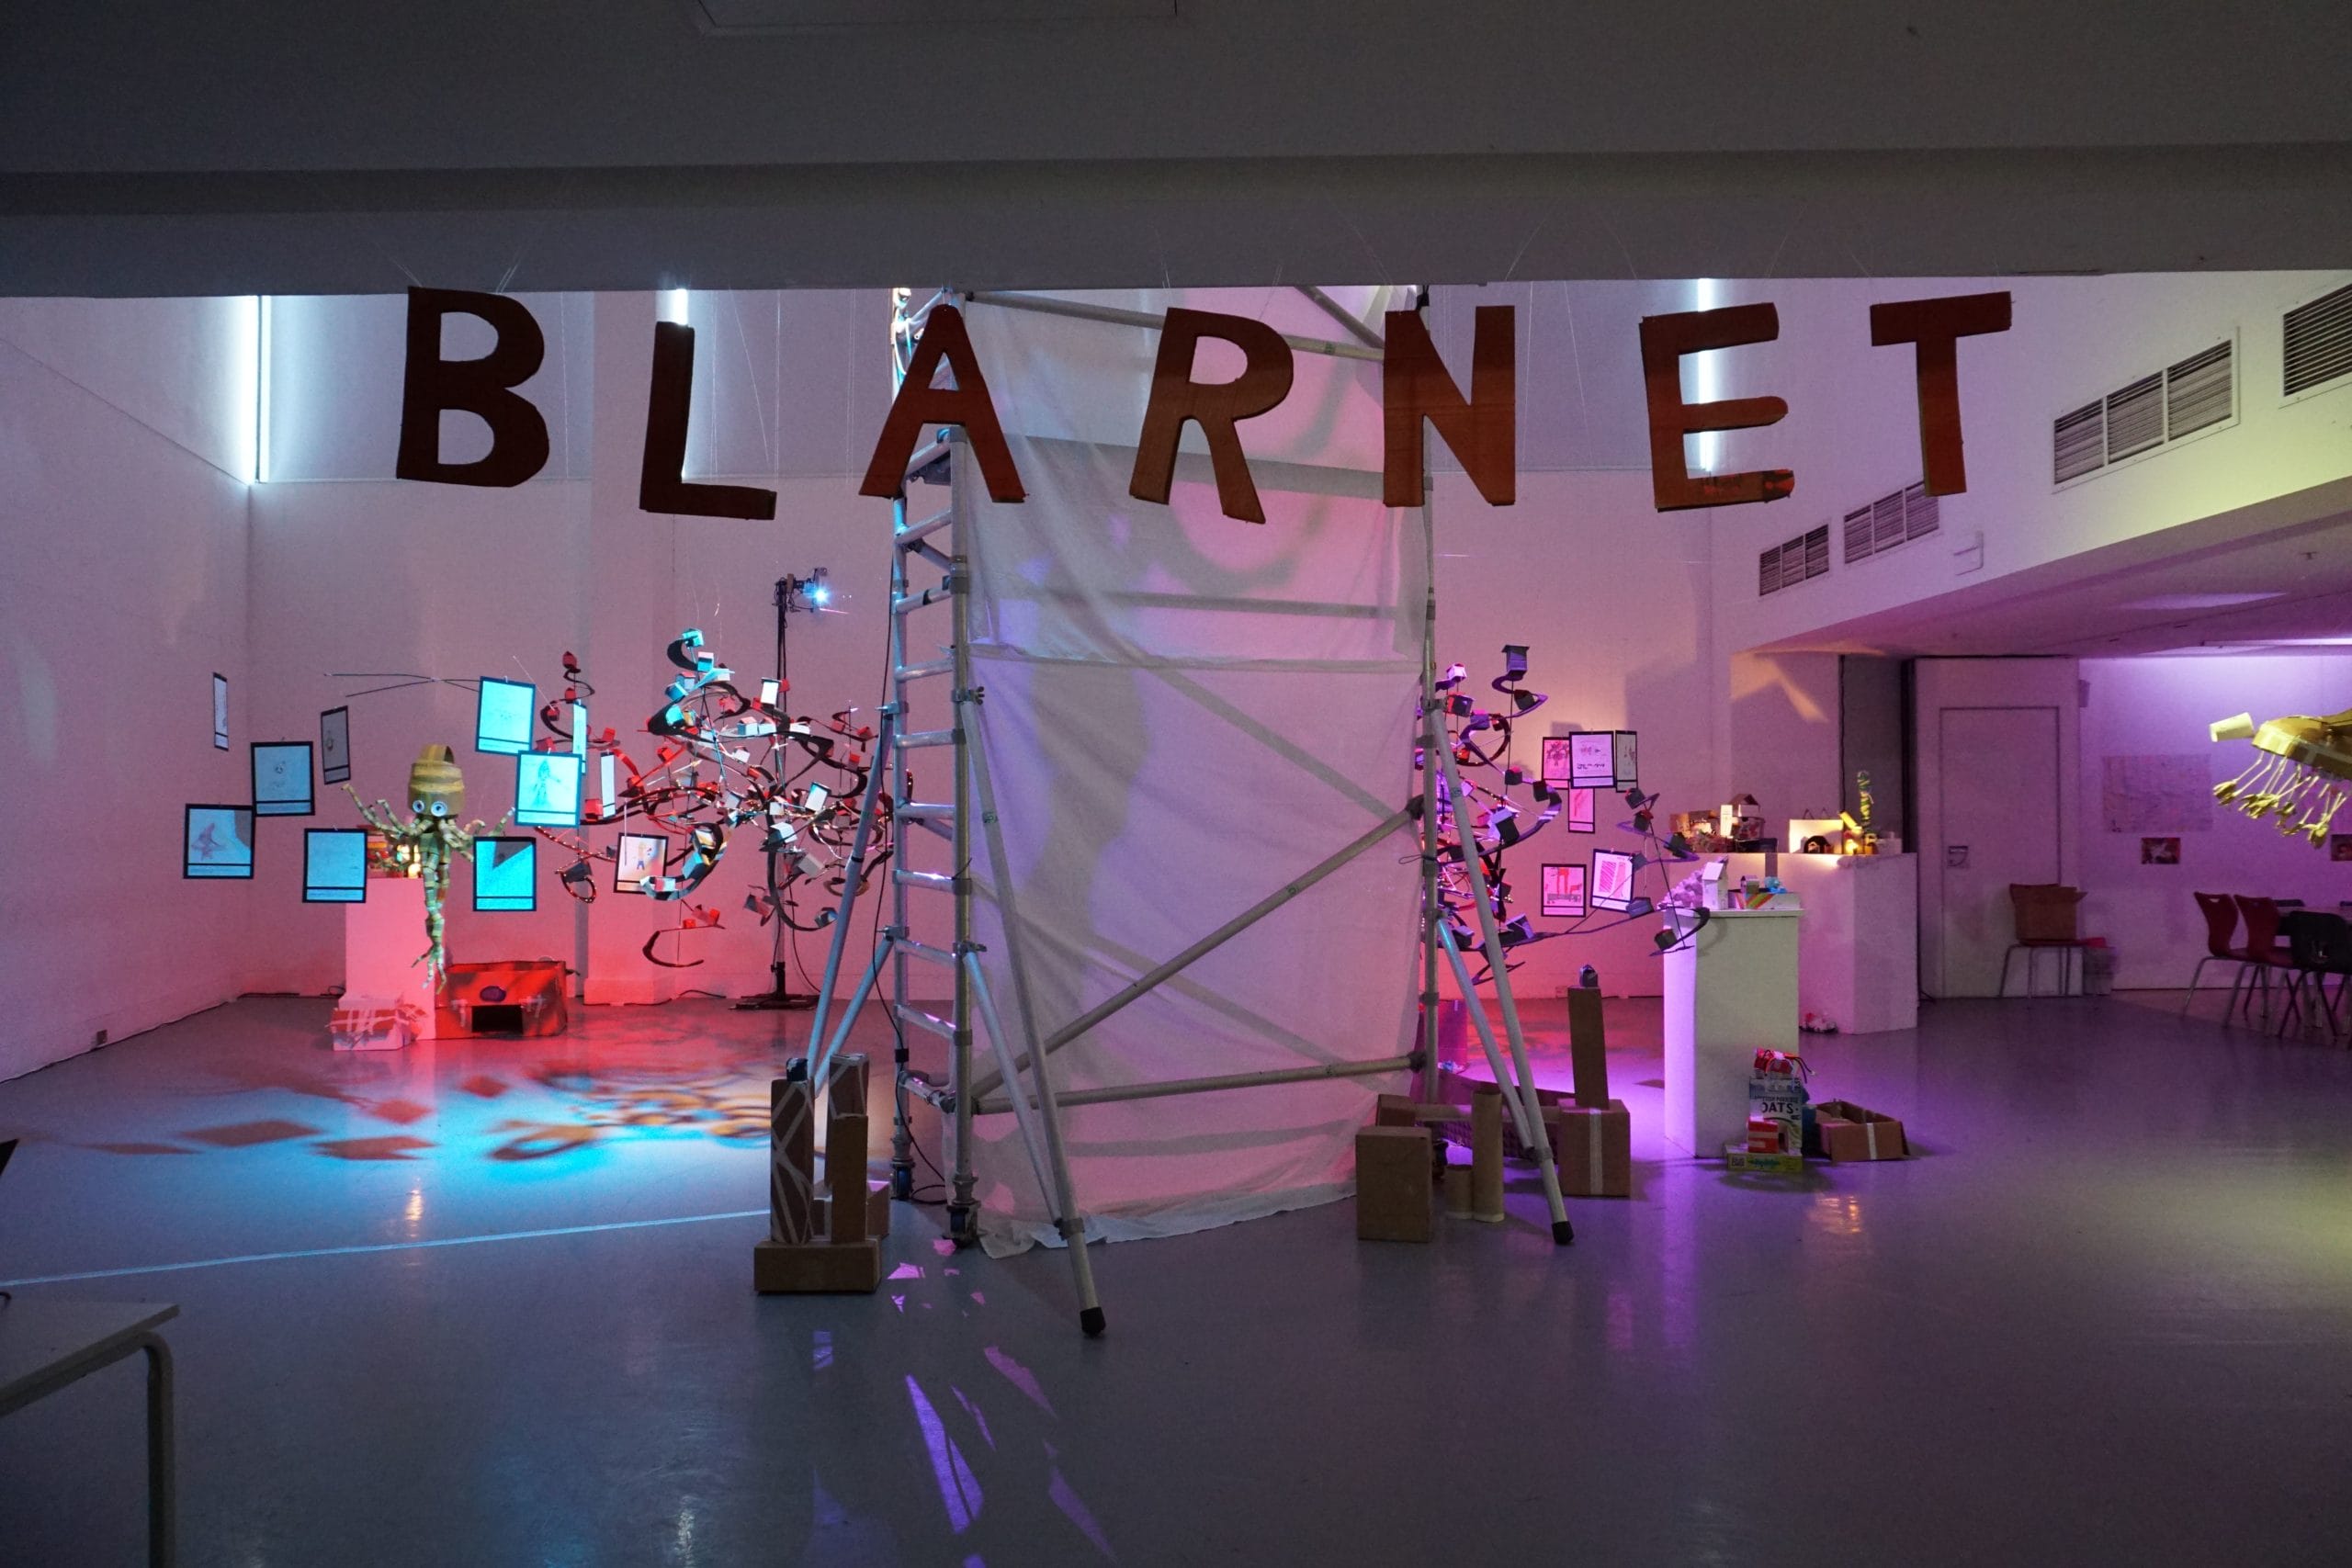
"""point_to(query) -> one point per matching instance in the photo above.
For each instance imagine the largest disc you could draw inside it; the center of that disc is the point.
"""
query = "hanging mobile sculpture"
(1481, 740)
(724, 761)
(2299, 775)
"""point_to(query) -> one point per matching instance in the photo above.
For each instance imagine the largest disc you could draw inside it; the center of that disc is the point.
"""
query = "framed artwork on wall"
(282, 779)
(547, 789)
(506, 875)
(219, 711)
(503, 715)
(334, 746)
(1622, 746)
(335, 865)
(642, 858)
(1564, 890)
(217, 841)
(1580, 811)
(1613, 880)
(1592, 759)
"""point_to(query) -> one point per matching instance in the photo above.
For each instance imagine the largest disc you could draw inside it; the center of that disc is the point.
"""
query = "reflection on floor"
(487, 1302)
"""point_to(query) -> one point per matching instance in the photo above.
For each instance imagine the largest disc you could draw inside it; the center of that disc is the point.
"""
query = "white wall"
(122, 590)
(440, 580)
(1851, 434)
(460, 583)
(2161, 706)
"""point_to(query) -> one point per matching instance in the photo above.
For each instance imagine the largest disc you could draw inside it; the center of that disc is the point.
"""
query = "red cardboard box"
(1852, 1131)
(515, 996)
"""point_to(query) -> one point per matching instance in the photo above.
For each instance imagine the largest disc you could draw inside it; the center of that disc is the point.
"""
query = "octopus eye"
(440, 808)
(417, 805)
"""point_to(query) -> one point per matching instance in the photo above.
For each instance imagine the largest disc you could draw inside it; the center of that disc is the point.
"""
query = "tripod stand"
(792, 594)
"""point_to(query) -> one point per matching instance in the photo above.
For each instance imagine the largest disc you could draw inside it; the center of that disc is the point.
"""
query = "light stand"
(808, 593)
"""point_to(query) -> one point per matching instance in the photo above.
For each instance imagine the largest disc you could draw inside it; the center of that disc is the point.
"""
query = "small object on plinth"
(1392, 1202)
(1487, 1153)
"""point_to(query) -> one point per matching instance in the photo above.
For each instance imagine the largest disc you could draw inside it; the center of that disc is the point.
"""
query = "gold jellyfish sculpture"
(2298, 772)
(429, 838)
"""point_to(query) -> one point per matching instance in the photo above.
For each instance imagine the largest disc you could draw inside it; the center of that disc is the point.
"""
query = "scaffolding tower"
(930, 569)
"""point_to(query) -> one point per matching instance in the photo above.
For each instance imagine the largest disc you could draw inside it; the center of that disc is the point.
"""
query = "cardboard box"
(1593, 1149)
(1850, 1132)
(816, 1268)
(1393, 1187)
(878, 1211)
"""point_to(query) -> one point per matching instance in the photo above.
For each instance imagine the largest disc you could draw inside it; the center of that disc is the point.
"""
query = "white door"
(1999, 769)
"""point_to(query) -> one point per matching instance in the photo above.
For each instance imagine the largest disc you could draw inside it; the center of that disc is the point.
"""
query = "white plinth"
(1730, 991)
(383, 939)
(1857, 951)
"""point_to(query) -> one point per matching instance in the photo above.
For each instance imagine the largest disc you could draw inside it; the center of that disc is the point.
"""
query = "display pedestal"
(381, 941)
(1857, 951)
(1730, 992)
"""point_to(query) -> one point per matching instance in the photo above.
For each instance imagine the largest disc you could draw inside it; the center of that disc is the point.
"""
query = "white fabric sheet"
(1183, 712)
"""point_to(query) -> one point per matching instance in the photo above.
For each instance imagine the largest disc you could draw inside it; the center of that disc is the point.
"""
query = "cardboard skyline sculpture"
(1480, 428)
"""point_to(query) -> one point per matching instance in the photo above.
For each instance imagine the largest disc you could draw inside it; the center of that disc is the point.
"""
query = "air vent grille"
(2195, 394)
(2079, 445)
(2319, 340)
(1792, 561)
(1922, 512)
(2135, 418)
(1893, 519)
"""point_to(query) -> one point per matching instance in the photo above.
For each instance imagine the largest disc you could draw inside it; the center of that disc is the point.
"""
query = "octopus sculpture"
(425, 843)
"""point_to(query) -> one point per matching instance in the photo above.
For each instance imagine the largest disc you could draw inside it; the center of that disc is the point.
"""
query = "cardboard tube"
(845, 1176)
(792, 1157)
(1487, 1153)
(845, 1088)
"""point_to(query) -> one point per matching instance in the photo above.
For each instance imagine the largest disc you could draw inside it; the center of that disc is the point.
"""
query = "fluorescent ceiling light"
(2200, 601)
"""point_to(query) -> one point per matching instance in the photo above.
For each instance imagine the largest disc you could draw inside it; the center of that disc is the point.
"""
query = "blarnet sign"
(1479, 428)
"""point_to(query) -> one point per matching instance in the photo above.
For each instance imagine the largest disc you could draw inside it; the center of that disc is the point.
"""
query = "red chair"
(2262, 953)
(2221, 912)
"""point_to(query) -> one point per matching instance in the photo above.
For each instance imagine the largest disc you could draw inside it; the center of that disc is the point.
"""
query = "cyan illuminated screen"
(282, 778)
(505, 874)
(218, 840)
(335, 865)
(547, 789)
(502, 719)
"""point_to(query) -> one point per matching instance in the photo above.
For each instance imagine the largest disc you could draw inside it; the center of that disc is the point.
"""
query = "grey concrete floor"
(2105, 1317)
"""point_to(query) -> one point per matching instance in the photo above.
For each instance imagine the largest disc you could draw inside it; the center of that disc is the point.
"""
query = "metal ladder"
(916, 546)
